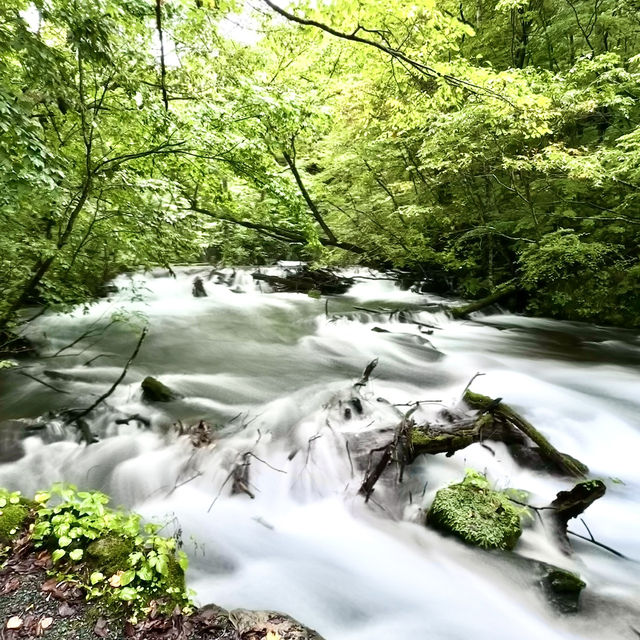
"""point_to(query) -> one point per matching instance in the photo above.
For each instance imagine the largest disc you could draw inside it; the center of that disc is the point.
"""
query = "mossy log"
(504, 413)
(501, 292)
(430, 440)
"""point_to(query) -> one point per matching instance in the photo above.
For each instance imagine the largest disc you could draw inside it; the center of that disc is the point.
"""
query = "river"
(269, 370)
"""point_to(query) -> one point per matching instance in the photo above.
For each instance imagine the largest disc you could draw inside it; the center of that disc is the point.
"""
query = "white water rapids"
(271, 369)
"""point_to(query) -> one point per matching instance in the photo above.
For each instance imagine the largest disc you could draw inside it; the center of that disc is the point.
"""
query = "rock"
(476, 514)
(154, 391)
(562, 588)
(198, 289)
(269, 624)
(110, 554)
(11, 434)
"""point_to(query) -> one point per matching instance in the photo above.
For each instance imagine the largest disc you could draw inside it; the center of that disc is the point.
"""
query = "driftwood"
(200, 435)
(501, 291)
(433, 440)
(240, 476)
(306, 280)
(77, 416)
(505, 414)
(570, 504)
(396, 451)
(494, 421)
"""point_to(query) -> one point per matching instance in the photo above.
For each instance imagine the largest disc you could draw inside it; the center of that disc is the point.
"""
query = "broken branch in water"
(104, 396)
(42, 382)
(594, 541)
(91, 332)
(367, 373)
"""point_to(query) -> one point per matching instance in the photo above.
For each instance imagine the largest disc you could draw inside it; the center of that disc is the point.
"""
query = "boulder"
(477, 514)
(155, 391)
(561, 587)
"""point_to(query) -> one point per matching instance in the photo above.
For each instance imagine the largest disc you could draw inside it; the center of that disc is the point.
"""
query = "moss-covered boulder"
(14, 511)
(110, 554)
(477, 514)
(562, 588)
(155, 391)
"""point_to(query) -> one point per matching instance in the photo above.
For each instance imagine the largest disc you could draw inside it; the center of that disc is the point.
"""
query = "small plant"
(108, 552)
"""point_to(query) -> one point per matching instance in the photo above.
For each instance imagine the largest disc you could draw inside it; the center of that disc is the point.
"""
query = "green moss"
(419, 438)
(155, 391)
(110, 554)
(477, 514)
(562, 581)
(175, 575)
(12, 517)
(477, 400)
(562, 588)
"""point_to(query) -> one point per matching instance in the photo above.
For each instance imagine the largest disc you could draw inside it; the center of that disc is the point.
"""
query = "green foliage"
(108, 552)
(513, 138)
(477, 514)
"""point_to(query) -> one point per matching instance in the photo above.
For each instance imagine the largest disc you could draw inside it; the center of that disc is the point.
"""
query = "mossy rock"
(475, 513)
(12, 518)
(110, 554)
(154, 391)
(562, 588)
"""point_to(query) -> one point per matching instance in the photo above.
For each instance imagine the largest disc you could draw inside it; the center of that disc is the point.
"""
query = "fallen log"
(431, 440)
(306, 280)
(504, 413)
(502, 291)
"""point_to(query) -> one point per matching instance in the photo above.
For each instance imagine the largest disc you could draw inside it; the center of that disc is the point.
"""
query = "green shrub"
(108, 552)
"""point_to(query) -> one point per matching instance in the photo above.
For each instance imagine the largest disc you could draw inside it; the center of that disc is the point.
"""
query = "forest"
(319, 315)
(476, 145)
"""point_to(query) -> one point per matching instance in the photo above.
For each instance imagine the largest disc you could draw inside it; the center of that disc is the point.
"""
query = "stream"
(271, 372)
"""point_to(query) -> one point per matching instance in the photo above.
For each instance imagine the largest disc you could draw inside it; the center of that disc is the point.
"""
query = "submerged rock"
(155, 391)
(562, 588)
(477, 514)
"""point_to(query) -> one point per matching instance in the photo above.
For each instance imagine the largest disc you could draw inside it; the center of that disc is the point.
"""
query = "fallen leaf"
(66, 610)
(116, 579)
(43, 625)
(51, 586)
(11, 585)
(14, 623)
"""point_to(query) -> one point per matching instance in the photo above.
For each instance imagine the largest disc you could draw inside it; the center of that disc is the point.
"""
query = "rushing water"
(272, 370)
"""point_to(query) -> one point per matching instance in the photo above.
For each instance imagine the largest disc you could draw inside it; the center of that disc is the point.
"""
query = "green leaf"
(76, 554)
(96, 577)
(145, 573)
(64, 541)
(128, 594)
(183, 560)
(58, 554)
(127, 577)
